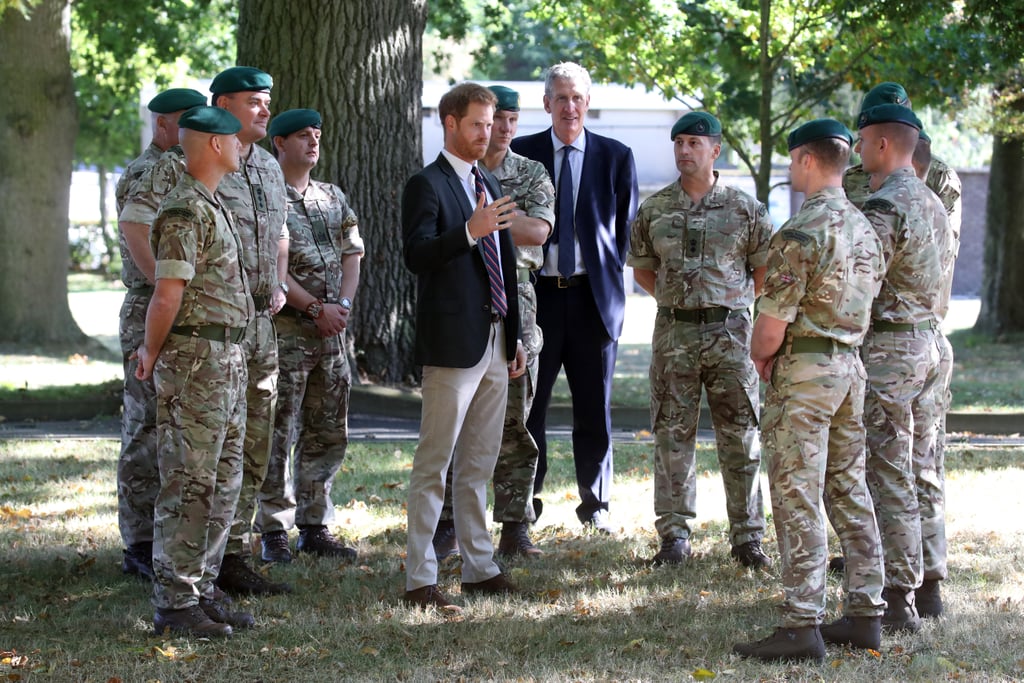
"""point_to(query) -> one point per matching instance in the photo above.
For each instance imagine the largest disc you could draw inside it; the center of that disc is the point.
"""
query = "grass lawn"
(594, 609)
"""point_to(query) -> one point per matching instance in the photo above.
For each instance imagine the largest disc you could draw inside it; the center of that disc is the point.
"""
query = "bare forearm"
(136, 238)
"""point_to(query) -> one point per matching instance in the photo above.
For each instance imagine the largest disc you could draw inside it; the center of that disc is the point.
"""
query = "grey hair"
(568, 71)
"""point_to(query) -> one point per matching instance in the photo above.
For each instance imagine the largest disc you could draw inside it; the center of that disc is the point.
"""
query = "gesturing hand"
(488, 218)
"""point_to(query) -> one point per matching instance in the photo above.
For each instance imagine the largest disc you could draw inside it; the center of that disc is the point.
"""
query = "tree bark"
(359, 64)
(37, 142)
(1002, 293)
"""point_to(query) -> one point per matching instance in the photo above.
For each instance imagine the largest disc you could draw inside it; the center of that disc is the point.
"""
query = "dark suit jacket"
(605, 206)
(453, 311)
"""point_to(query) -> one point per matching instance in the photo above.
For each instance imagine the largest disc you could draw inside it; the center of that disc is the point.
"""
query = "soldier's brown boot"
(900, 613)
(315, 539)
(189, 621)
(673, 551)
(751, 555)
(219, 612)
(863, 632)
(515, 541)
(236, 576)
(928, 599)
(274, 547)
(786, 644)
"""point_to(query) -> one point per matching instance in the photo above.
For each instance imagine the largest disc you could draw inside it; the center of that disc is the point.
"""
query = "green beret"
(241, 79)
(508, 99)
(176, 99)
(210, 120)
(819, 129)
(924, 136)
(885, 93)
(287, 122)
(888, 113)
(697, 123)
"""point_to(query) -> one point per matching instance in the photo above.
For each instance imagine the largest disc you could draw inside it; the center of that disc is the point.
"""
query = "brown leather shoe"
(430, 596)
(496, 585)
(317, 540)
(188, 621)
(863, 632)
(515, 541)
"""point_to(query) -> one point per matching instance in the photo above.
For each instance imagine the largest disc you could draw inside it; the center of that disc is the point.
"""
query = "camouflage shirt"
(703, 254)
(194, 240)
(824, 270)
(323, 228)
(529, 185)
(127, 185)
(255, 194)
(918, 248)
(941, 179)
(257, 197)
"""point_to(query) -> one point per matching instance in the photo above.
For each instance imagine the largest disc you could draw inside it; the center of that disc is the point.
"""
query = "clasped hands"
(488, 218)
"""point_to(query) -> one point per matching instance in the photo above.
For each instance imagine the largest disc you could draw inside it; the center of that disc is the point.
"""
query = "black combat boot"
(673, 551)
(900, 613)
(751, 555)
(189, 621)
(928, 599)
(237, 577)
(515, 541)
(315, 539)
(274, 547)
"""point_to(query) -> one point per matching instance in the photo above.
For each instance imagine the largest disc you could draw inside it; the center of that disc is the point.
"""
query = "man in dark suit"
(467, 327)
(580, 294)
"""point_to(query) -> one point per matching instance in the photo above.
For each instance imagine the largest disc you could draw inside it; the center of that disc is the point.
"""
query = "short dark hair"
(832, 153)
(900, 135)
(456, 101)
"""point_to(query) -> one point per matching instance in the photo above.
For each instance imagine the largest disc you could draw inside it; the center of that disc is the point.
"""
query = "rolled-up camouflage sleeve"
(174, 243)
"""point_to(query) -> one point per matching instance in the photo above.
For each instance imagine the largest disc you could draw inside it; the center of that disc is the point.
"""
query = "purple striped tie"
(489, 247)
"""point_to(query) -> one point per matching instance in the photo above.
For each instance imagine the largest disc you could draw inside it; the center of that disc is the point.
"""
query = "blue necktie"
(489, 248)
(565, 218)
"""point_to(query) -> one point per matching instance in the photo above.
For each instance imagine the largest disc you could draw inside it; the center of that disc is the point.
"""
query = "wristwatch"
(284, 287)
(345, 303)
(315, 310)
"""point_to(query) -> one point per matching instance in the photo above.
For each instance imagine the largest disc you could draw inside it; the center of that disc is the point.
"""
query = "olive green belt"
(886, 326)
(142, 290)
(818, 345)
(212, 332)
(523, 275)
(701, 316)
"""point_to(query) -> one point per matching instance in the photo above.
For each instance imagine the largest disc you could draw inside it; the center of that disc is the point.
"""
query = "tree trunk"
(1002, 292)
(359, 64)
(108, 232)
(37, 144)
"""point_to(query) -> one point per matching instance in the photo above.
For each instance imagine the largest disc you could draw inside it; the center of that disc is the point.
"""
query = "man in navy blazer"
(580, 293)
(467, 326)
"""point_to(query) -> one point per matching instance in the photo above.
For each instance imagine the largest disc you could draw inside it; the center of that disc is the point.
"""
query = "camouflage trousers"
(516, 468)
(930, 464)
(715, 356)
(260, 351)
(312, 419)
(138, 478)
(903, 369)
(814, 450)
(200, 387)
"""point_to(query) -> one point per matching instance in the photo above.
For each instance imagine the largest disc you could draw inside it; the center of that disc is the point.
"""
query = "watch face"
(345, 302)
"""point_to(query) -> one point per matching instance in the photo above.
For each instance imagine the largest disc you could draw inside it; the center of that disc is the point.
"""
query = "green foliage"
(118, 46)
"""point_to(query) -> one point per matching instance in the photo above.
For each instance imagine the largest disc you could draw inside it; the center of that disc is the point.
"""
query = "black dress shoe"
(138, 561)
(317, 540)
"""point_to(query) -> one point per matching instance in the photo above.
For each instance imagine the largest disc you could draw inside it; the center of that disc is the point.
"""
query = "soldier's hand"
(764, 369)
(490, 217)
(277, 300)
(333, 320)
(517, 366)
(144, 369)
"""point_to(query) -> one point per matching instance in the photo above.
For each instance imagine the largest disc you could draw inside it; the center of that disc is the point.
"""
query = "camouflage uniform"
(902, 356)
(200, 386)
(256, 196)
(824, 269)
(930, 434)
(529, 185)
(138, 479)
(703, 255)
(313, 386)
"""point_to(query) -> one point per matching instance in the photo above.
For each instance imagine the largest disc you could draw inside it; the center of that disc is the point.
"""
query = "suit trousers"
(461, 426)
(575, 338)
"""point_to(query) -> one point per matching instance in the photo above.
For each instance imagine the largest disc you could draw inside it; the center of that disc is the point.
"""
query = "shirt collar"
(579, 144)
(461, 167)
